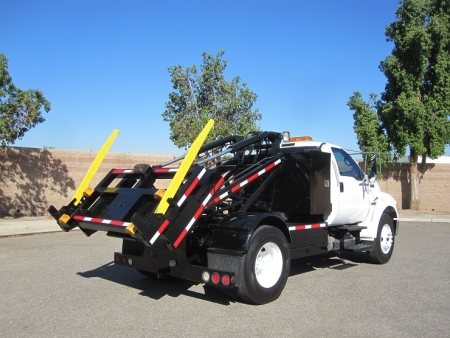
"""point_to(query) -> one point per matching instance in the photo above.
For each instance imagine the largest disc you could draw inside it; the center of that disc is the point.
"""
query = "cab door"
(354, 197)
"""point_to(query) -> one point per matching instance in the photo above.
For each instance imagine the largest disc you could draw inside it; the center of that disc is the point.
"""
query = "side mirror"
(372, 177)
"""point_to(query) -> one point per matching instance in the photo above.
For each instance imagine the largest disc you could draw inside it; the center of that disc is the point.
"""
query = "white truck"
(237, 211)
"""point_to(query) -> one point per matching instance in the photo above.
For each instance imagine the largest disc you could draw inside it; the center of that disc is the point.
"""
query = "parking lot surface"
(65, 284)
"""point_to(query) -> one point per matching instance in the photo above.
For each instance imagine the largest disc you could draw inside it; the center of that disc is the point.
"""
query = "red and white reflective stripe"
(191, 187)
(163, 227)
(180, 202)
(123, 171)
(198, 213)
(216, 187)
(101, 220)
(256, 175)
(248, 180)
(159, 232)
(219, 198)
(166, 170)
(307, 226)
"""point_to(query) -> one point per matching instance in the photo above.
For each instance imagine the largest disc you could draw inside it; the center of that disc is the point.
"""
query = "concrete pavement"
(10, 226)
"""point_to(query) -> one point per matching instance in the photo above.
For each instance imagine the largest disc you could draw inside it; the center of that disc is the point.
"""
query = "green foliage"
(437, 79)
(414, 109)
(371, 136)
(19, 110)
(199, 97)
(402, 112)
(416, 103)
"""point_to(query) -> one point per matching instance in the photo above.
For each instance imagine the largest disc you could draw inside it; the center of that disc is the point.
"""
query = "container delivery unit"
(237, 211)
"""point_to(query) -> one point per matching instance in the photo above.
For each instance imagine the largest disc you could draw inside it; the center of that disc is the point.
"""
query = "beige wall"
(434, 186)
(31, 179)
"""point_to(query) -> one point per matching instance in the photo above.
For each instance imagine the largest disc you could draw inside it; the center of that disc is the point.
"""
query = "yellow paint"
(88, 192)
(183, 169)
(64, 219)
(94, 167)
(131, 229)
(159, 194)
(111, 190)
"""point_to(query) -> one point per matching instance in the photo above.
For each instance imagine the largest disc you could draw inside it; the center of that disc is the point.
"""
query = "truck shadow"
(155, 288)
(331, 260)
(173, 287)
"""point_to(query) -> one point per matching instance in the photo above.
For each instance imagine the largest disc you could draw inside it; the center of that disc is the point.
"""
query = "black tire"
(383, 245)
(266, 266)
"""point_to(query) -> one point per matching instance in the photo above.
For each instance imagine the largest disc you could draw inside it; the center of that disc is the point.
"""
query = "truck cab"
(356, 197)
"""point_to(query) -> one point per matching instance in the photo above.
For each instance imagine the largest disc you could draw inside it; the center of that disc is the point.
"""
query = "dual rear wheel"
(266, 266)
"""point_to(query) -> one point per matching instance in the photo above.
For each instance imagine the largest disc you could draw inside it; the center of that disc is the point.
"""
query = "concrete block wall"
(434, 186)
(31, 179)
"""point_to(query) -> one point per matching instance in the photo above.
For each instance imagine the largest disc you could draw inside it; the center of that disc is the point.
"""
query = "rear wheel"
(383, 245)
(266, 266)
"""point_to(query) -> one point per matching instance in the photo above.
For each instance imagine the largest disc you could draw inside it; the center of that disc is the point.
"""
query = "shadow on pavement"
(158, 288)
(155, 288)
(332, 260)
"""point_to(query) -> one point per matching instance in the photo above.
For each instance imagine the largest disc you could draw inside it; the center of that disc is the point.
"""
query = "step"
(351, 227)
(360, 247)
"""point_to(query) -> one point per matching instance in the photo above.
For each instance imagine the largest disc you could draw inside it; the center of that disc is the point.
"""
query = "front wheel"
(384, 243)
(266, 266)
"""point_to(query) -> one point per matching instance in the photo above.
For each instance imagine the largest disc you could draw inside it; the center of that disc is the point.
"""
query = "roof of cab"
(307, 144)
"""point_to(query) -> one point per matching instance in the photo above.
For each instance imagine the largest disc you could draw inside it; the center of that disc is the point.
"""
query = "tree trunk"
(414, 181)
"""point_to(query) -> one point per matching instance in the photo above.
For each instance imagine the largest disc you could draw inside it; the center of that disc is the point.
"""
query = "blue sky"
(103, 64)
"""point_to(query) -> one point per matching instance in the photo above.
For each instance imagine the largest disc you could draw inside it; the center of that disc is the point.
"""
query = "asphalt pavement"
(67, 285)
(10, 226)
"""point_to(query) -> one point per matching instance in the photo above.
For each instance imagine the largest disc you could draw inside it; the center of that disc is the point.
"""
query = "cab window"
(347, 166)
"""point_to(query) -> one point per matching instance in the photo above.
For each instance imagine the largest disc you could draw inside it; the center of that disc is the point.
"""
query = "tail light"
(121, 259)
(206, 276)
(215, 277)
(218, 279)
(226, 280)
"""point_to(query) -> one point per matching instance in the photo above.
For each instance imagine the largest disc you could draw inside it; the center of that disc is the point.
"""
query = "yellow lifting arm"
(183, 169)
(94, 167)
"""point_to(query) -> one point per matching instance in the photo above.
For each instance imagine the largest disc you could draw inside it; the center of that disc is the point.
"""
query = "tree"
(19, 110)
(367, 126)
(200, 97)
(414, 109)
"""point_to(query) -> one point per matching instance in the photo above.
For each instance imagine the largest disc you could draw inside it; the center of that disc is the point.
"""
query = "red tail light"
(215, 278)
(226, 280)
